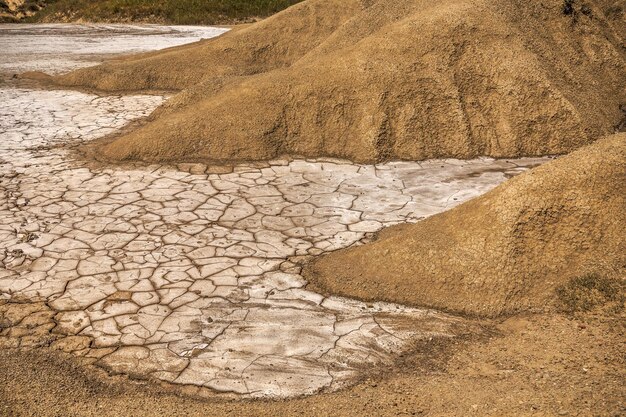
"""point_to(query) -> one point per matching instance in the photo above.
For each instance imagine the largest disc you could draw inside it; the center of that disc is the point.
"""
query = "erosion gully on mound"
(183, 275)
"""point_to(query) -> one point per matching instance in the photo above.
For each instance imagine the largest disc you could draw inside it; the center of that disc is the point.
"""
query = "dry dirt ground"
(192, 276)
(502, 78)
(566, 359)
(377, 80)
(544, 364)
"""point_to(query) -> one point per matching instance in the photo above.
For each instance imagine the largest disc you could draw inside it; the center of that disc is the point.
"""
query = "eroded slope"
(272, 43)
(380, 80)
(505, 251)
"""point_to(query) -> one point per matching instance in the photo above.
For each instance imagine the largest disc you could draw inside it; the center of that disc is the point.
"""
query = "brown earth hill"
(505, 251)
(273, 43)
(374, 80)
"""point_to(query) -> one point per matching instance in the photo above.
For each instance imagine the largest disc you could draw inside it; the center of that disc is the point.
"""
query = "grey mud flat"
(191, 277)
(58, 48)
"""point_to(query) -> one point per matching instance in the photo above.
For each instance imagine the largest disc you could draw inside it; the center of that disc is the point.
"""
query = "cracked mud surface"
(190, 276)
(63, 47)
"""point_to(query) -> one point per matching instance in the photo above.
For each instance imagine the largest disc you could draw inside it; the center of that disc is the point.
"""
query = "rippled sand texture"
(193, 277)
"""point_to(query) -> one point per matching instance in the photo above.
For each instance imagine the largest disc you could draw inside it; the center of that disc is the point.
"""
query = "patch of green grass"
(180, 12)
(590, 291)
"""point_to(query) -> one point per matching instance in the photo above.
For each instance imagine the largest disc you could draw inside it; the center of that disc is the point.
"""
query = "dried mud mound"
(272, 43)
(374, 80)
(505, 251)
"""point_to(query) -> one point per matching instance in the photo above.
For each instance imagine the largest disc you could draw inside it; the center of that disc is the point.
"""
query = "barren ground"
(186, 280)
(539, 365)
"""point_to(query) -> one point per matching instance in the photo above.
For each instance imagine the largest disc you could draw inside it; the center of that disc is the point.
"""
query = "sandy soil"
(380, 80)
(541, 365)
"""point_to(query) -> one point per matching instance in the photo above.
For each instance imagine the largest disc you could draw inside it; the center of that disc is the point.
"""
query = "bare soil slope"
(275, 42)
(373, 80)
(505, 251)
